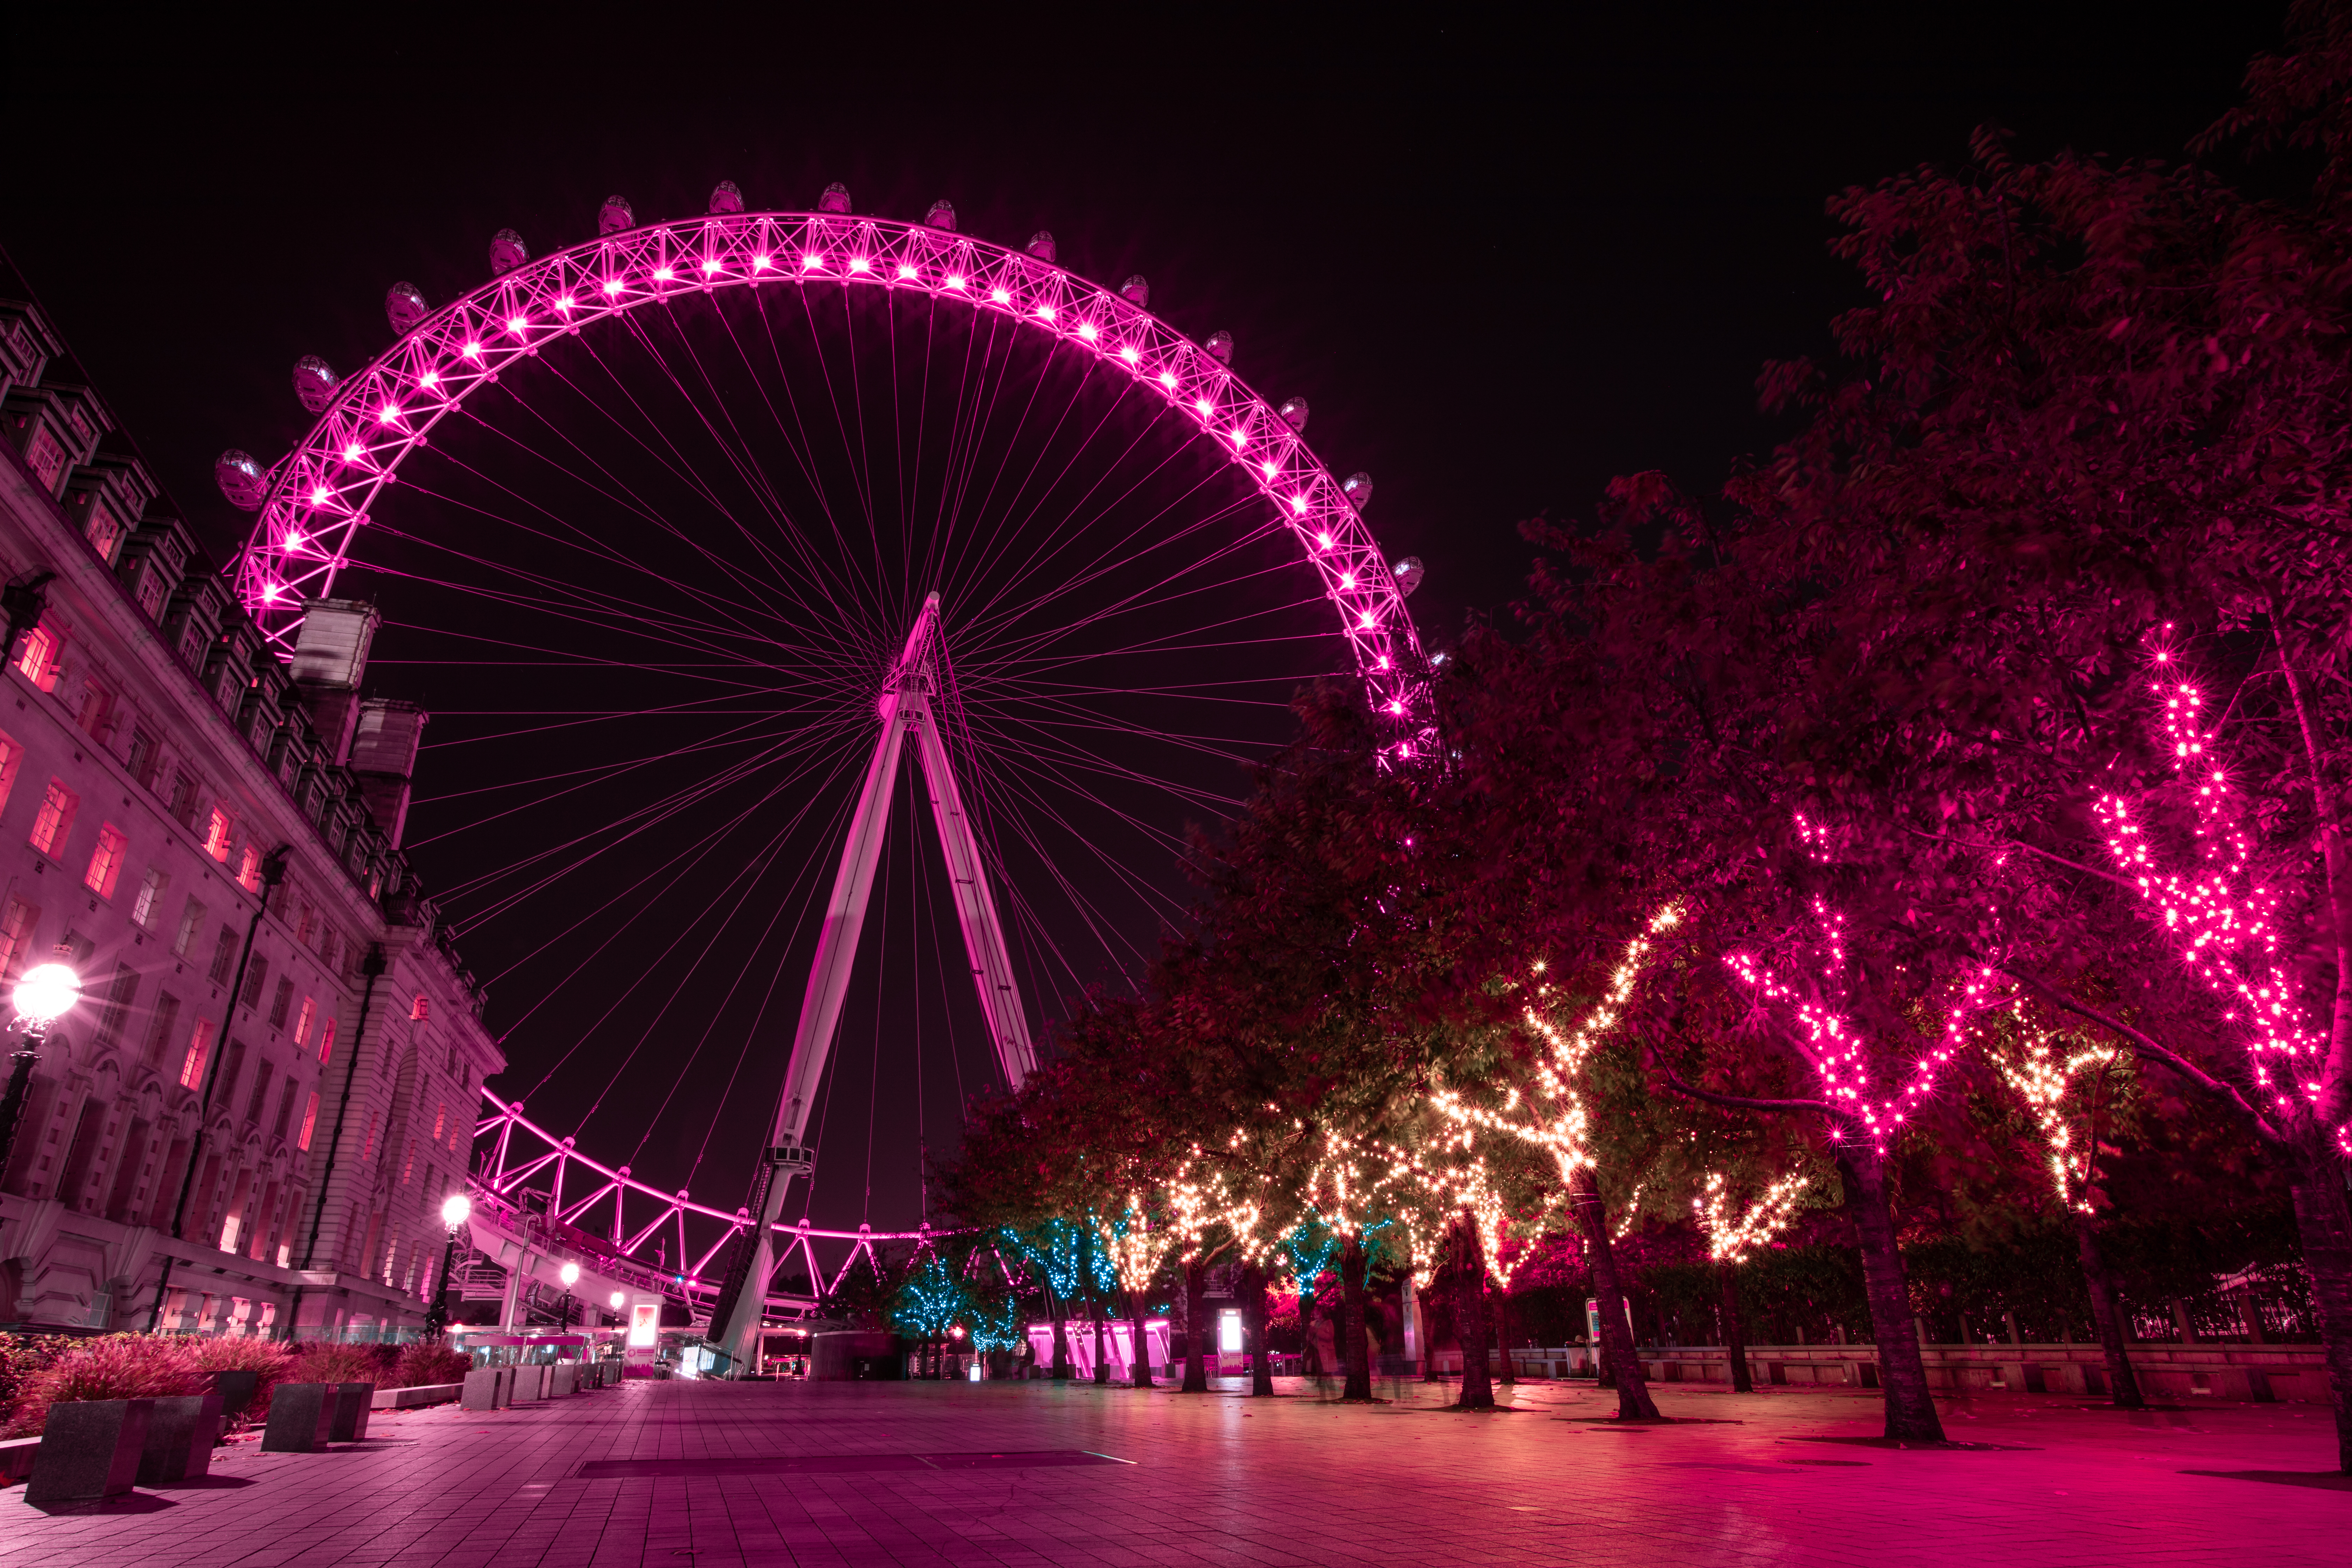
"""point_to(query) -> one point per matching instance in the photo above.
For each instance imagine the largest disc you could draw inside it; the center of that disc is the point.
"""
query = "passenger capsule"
(1408, 574)
(941, 216)
(314, 383)
(241, 481)
(1294, 413)
(1357, 487)
(615, 216)
(405, 307)
(836, 198)
(726, 199)
(1221, 345)
(1040, 245)
(507, 252)
(1137, 292)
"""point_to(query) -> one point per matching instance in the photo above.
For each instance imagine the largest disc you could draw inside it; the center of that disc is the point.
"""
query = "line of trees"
(1949, 818)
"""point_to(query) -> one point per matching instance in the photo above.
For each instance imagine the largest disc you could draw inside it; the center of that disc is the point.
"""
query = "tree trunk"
(1196, 1333)
(1352, 1267)
(1102, 1335)
(1633, 1401)
(1510, 1373)
(1252, 1288)
(2321, 1217)
(1311, 1355)
(1436, 1323)
(1061, 1315)
(1902, 1375)
(2123, 1386)
(1141, 1371)
(1470, 1317)
(1734, 1333)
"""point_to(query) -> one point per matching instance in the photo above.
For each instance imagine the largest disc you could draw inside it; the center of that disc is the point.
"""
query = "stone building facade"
(158, 766)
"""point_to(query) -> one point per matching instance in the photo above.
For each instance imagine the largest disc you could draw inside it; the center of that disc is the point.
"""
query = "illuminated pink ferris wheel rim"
(319, 495)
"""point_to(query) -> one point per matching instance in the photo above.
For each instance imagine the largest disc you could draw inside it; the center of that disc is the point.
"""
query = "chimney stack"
(329, 657)
(383, 759)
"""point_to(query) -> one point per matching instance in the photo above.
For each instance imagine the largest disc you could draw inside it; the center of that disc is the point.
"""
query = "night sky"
(1502, 266)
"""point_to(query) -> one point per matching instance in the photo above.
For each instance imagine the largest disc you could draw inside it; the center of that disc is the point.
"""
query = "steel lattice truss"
(319, 495)
(532, 1181)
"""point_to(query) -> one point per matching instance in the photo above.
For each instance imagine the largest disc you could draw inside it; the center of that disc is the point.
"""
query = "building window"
(106, 860)
(440, 1122)
(55, 819)
(11, 754)
(192, 921)
(17, 933)
(216, 835)
(327, 1040)
(281, 1003)
(367, 1144)
(285, 1111)
(255, 975)
(249, 871)
(144, 755)
(309, 926)
(97, 707)
(182, 804)
(118, 997)
(151, 897)
(309, 1120)
(304, 1019)
(159, 1036)
(259, 1099)
(39, 659)
(223, 957)
(46, 458)
(103, 530)
(150, 592)
(200, 1046)
(420, 1009)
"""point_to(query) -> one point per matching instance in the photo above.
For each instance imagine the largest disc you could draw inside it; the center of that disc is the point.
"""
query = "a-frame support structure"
(913, 704)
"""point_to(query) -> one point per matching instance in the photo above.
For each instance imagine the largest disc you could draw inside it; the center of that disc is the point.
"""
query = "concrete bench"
(422, 1393)
(17, 1456)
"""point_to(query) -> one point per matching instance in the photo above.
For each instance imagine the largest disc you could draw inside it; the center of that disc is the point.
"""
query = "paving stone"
(1224, 1479)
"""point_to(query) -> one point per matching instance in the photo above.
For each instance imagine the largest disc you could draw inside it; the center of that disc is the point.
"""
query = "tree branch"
(2149, 1045)
(1736, 1102)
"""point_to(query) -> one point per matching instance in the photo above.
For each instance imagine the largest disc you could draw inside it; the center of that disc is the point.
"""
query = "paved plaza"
(709, 1473)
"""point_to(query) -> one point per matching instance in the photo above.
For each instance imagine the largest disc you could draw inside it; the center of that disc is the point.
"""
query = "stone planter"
(89, 1450)
(562, 1379)
(300, 1415)
(352, 1402)
(485, 1388)
(237, 1391)
(180, 1439)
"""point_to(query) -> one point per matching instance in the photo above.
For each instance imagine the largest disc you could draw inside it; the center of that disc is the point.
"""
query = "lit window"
(55, 819)
(249, 871)
(304, 1019)
(39, 659)
(217, 833)
(151, 895)
(106, 861)
(11, 754)
(17, 933)
(309, 1120)
(422, 1008)
(200, 1046)
(326, 1039)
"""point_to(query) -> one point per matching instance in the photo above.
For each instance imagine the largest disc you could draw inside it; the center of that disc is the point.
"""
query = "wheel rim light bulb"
(457, 1210)
(47, 993)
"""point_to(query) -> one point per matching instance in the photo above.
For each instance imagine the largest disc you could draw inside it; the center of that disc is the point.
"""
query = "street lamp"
(454, 1212)
(46, 993)
(569, 1274)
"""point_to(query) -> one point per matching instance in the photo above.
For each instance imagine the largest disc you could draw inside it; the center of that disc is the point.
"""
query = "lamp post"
(569, 1273)
(46, 993)
(455, 1213)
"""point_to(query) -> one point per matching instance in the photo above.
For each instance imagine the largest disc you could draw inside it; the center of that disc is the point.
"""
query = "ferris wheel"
(697, 539)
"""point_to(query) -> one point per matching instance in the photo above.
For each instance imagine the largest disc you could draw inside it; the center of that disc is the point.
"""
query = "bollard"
(351, 1402)
(560, 1379)
(89, 1450)
(180, 1439)
(300, 1415)
(481, 1388)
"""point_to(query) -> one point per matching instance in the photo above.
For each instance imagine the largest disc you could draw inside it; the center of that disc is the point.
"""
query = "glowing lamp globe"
(617, 1300)
(47, 993)
(456, 1210)
(570, 1274)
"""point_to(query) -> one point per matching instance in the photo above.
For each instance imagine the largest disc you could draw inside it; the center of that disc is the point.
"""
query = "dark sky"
(1504, 264)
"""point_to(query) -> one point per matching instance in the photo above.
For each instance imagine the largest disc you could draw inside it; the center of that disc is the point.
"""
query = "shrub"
(427, 1362)
(120, 1366)
(21, 1356)
(338, 1363)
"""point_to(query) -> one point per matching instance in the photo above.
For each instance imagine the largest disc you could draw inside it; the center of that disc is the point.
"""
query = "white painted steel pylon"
(912, 704)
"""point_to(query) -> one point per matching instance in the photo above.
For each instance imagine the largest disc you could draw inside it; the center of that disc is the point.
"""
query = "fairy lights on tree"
(1733, 1239)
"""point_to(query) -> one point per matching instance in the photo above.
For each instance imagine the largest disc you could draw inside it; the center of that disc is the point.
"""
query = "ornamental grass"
(426, 1362)
(118, 1366)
